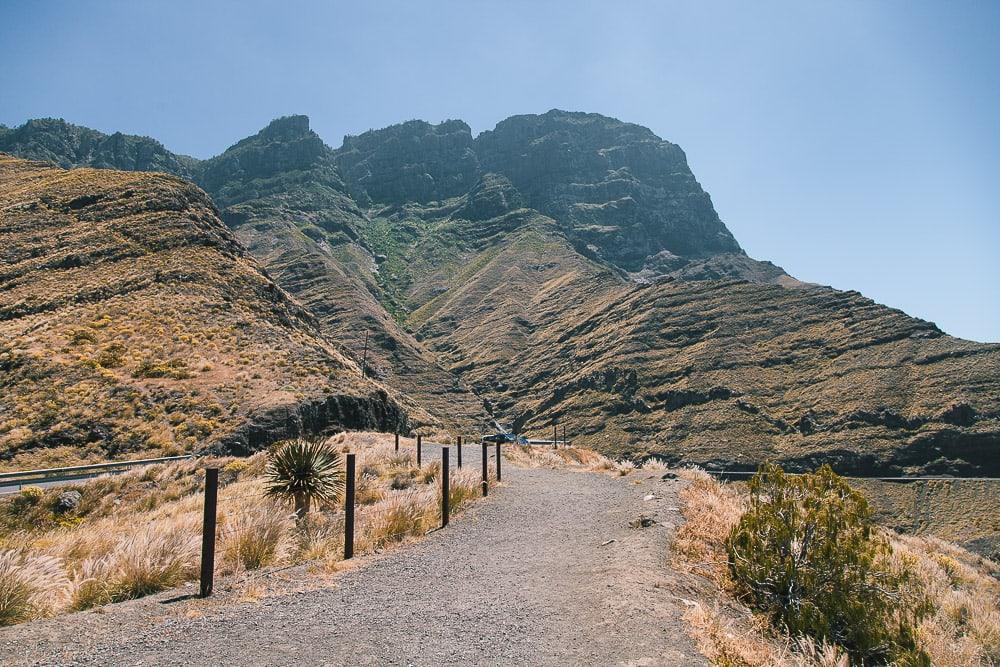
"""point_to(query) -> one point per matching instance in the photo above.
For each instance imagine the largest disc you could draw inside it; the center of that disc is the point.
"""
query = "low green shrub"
(806, 552)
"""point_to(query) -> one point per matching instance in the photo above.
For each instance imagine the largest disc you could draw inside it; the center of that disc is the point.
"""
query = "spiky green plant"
(305, 470)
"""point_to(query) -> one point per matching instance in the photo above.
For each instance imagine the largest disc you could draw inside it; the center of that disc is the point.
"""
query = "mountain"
(620, 193)
(285, 199)
(569, 268)
(54, 140)
(132, 321)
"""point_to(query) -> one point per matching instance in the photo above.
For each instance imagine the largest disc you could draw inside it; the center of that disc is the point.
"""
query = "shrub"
(806, 553)
(112, 356)
(175, 369)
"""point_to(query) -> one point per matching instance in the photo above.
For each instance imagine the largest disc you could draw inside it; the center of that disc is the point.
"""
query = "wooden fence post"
(419, 443)
(208, 531)
(460, 452)
(498, 461)
(486, 469)
(397, 442)
(445, 487)
(349, 510)
(555, 435)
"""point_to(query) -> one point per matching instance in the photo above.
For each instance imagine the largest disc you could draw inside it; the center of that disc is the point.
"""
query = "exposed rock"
(611, 185)
(409, 162)
(68, 501)
(642, 522)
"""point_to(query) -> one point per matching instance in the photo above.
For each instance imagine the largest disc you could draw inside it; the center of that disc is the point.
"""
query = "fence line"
(210, 528)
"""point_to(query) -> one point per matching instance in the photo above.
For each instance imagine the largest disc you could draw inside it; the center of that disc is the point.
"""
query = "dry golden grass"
(541, 456)
(963, 631)
(711, 510)
(140, 532)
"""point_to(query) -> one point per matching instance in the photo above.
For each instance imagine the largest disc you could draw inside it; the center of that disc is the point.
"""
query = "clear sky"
(856, 144)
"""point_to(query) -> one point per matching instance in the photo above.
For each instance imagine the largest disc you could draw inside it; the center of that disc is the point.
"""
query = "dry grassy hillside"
(131, 321)
(701, 371)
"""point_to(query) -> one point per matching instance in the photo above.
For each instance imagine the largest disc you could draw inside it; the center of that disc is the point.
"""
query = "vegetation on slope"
(132, 321)
(286, 201)
(138, 533)
(928, 599)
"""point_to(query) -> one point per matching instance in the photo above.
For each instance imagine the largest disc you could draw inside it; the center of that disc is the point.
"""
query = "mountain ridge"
(569, 268)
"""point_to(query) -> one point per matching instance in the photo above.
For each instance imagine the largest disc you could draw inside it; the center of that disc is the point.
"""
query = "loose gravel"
(546, 571)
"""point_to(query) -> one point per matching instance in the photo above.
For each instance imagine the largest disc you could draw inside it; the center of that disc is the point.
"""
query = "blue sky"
(856, 144)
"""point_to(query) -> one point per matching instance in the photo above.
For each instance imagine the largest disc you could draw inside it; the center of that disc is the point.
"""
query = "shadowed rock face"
(132, 320)
(615, 188)
(409, 162)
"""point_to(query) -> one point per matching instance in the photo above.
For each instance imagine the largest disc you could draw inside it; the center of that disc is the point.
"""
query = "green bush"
(806, 552)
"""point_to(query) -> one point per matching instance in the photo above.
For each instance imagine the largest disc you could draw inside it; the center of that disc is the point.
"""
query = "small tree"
(806, 552)
(304, 470)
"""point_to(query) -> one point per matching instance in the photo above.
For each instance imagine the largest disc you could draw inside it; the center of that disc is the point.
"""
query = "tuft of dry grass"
(963, 631)
(537, 456)
(31, 586)
(711, 509)
(256, 536)
(153, 558)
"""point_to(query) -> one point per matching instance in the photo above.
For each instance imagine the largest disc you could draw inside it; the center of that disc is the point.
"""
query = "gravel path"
(546, 571)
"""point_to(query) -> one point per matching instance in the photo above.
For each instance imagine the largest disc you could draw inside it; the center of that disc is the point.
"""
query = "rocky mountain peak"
(275, 157)
(413, 161)
(286, 128)
(67, 145)
(619, 190)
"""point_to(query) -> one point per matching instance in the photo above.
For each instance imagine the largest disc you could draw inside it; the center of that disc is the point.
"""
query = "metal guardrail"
(736, 474)
(21, 478)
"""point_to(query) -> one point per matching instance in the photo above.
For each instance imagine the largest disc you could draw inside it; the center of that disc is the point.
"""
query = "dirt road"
(547, 571)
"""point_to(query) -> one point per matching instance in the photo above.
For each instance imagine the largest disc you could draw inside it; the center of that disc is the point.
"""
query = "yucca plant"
(305, 470)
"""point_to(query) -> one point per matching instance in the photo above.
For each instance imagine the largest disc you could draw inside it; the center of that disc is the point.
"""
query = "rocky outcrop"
(616, 188)
(327, 414)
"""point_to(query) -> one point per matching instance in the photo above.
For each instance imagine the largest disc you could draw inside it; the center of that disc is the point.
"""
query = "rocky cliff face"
(410, 162)
(132, 320)
(55, 140)
(617, 189)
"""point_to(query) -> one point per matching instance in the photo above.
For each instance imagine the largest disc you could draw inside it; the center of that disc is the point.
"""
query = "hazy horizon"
(855, 145)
